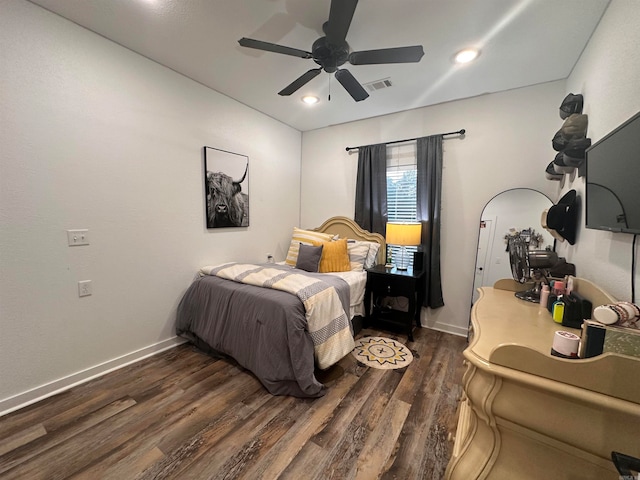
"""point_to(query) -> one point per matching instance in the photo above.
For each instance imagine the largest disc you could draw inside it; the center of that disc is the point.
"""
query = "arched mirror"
(515, 210)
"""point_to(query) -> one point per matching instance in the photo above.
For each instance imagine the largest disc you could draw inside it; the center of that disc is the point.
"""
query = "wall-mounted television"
(613, 180)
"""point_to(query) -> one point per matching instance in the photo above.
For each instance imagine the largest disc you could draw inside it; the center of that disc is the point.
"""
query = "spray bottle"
(558, 310)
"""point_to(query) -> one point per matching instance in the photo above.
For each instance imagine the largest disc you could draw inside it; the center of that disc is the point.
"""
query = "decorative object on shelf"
(575, 126)
(533, 239)
(561, 220)
(225, 174)
(570, 141)
(623, 314)
(599, 338)
(388, 259)
(565, 344)
(404, 235)
(382, 353)
(571, 104)
(560, 166)
(573, 154)
(551, 174)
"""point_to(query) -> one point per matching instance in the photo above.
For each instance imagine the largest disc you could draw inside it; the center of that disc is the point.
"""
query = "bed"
(280, 322)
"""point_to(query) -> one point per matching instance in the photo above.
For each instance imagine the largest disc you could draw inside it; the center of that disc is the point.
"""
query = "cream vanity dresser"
(526, 414)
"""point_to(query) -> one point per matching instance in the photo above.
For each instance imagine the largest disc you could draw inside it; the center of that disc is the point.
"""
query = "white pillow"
(371, 259)
(358, 252)
(372, 256)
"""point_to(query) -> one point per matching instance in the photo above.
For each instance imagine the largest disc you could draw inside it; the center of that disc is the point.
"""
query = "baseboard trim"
(34, 395)
(447, 328)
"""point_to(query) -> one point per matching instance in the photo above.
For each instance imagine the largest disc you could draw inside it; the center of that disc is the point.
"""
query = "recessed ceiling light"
(310, 99)
(466, 55)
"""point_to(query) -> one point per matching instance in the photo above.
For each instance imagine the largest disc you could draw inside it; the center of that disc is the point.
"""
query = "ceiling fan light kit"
(332, 51)
(467, 55)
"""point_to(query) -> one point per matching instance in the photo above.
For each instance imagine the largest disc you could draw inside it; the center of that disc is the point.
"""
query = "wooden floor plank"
(192, 449)
(184, 414)
(422, 435)
(239, 450)
(21, 438)
(379, 447)
(438, 446)
(136, 461)
(349, 408)
(71, 431)
(307, 463)
(276, 460)
(410, 383)
(103, 390)
(342, 460)
(322, 444)
(174, 428)
(83, 448)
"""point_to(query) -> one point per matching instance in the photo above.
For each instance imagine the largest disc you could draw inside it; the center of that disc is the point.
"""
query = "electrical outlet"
(78, 237)
(84, 288)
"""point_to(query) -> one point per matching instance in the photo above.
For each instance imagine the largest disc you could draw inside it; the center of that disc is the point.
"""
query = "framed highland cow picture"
(226, 186)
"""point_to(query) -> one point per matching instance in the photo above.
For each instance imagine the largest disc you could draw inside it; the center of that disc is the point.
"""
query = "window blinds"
(401, 188)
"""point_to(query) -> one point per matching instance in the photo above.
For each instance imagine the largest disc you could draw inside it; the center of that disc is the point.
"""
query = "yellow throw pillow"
(335, 257)
(307, 237)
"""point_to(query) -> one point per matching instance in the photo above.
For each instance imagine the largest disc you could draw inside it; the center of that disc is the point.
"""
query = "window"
(402, 177)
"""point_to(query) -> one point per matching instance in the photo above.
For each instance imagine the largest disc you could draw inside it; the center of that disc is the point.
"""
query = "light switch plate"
(77, 237)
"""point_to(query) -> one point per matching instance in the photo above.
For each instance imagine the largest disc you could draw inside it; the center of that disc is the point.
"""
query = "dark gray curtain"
(371, 188)
(429, 193)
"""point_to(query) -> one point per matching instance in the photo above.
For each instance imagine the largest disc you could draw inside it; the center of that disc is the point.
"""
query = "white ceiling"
(523, 42)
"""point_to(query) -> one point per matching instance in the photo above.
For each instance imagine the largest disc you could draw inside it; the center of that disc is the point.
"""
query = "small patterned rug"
(380, 352)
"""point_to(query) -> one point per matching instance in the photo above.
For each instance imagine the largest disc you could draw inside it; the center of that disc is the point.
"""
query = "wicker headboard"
(347, 228)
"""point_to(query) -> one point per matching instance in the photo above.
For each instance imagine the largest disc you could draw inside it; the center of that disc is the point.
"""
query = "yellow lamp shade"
(405, 234)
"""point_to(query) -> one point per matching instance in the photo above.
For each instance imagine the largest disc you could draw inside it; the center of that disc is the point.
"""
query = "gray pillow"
(309, 257)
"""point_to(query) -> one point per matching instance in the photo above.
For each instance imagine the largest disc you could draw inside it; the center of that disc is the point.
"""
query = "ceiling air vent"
(378, 84)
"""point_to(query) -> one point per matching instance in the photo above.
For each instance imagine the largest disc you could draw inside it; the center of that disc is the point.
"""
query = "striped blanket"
(328, 324)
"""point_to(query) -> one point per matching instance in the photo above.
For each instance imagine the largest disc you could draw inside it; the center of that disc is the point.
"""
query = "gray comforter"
(264, 330)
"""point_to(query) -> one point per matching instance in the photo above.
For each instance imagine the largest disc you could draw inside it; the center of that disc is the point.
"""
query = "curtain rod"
(459, 132)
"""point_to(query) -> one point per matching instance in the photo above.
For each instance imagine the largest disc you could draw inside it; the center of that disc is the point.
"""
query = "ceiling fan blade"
(300, 81)
(340, 16)
(387, 55)
(351, 85)
(272, 47)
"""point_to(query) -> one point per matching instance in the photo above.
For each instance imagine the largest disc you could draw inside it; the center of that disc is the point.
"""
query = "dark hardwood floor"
(183, 414)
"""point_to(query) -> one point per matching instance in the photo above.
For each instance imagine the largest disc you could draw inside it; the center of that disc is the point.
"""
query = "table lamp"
(404, 235)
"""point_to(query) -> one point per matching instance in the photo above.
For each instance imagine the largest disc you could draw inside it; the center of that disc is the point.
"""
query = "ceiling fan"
(332, 51)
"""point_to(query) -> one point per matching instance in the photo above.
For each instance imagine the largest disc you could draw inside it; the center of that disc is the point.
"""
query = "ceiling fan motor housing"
(329, 56)
(333, 51)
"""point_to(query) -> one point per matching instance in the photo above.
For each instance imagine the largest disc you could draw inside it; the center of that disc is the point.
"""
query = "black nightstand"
(391, 282)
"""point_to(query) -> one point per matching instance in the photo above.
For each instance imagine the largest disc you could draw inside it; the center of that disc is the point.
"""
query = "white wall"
(607, 74)
(507, 145)
(95, 136)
